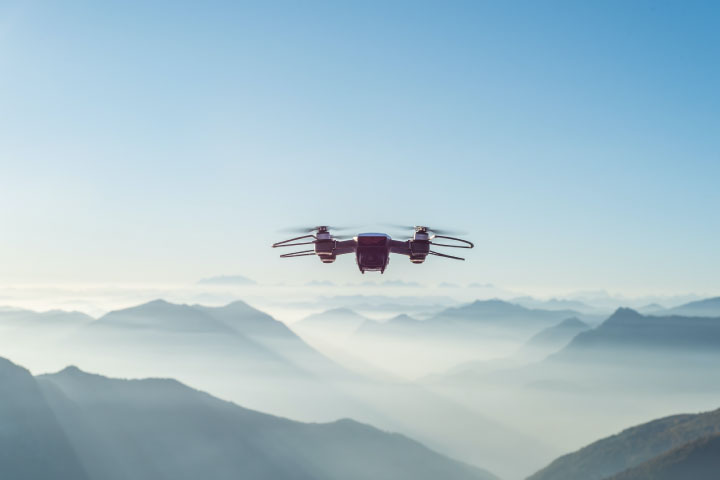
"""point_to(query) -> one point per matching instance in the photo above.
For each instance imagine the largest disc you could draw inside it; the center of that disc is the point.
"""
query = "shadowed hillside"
(631, 447)
(697, 460)
(709, 307)
(33, 445)
(160, 429)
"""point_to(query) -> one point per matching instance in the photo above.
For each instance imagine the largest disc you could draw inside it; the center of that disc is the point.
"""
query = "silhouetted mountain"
(160, 429)
(631, 448)
(32, 443)
(477, 331)
(554, 338)
(482, 318)
(500, 316)
(163, 316)
(265, 330)
(544, 343)
(627, 332)
(247, 320)
(237, 335)
(697, 460)
(710, 307)
(226, 280)
(337, 322)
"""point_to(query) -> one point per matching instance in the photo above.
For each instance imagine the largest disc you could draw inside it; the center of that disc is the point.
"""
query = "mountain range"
(255, 340)
(630, 351)
(697, 460)
(709, 307)
(239, 353)
(500, 317)
(542, 344)
(336, 324)
(79, 426)
(628, 333)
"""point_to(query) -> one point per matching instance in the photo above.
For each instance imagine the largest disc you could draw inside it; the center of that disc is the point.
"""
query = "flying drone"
(372, 250)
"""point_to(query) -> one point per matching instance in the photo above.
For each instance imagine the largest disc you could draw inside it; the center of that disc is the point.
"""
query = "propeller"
(431, 229)
(311, 229)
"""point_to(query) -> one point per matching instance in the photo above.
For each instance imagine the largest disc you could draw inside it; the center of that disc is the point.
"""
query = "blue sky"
(577, 142)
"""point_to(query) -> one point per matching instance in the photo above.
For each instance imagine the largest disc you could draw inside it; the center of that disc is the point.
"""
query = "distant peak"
(237, 304)
(157, 302)
(72, 371)
(402, 318)
(623, 314)
(572, 322)
(495, 303)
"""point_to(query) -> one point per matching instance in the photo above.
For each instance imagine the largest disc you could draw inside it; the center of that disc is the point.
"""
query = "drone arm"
(303, 253)
(401, 248)
(344, 246)
(445, 256)
(294, 241)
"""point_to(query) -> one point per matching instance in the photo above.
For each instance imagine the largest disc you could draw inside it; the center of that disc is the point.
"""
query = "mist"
(477, 381)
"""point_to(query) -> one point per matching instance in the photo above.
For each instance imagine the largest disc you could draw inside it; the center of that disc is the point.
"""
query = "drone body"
(372, 250)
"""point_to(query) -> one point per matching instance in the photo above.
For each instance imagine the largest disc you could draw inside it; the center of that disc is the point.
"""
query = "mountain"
(336, 323)
(697, 460)
(553, 338)
(544, 343)
(632, 447)
(499, 317)
(633, 352)
(160, 315)
(250, 339)
(628, 333)
(160, 429)
(249, 321)
(709, 307)
(402, 325)
(481, 318)
(480, 331)
(33, 445)
(272, 334)
(227, 280)
(554, 304)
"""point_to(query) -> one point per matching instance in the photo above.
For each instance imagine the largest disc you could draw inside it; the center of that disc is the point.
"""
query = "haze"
(152, 152)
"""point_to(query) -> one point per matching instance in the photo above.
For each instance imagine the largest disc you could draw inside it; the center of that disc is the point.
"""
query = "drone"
(372, 250)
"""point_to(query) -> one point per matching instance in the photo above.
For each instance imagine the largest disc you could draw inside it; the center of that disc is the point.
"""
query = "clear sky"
(577, 142)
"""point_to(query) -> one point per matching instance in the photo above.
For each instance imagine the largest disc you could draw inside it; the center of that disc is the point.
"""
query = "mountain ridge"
(152, 429)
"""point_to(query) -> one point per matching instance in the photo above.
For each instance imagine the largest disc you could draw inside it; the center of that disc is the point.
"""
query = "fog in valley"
(505, 384)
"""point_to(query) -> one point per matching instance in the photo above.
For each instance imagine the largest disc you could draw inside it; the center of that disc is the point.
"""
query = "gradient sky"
(577, 142)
